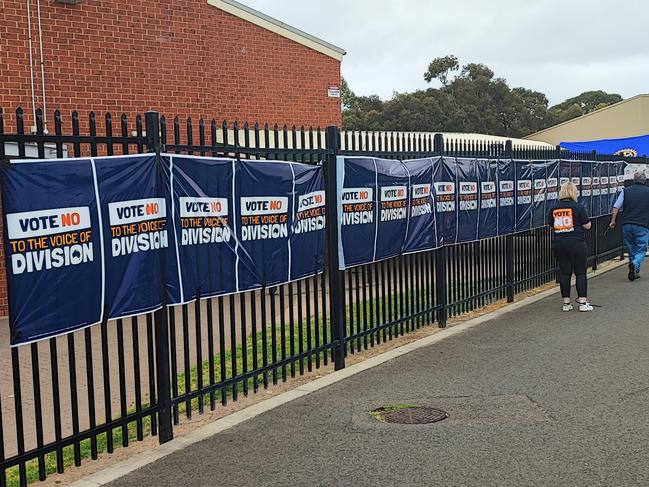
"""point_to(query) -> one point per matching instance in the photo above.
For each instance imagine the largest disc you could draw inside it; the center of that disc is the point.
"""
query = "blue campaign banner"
(273, 245)
(136, 236)
(539, 193)
(53, 247)
(552, 194)
(307, 233)
(612, 186)
(467, 178)
(585, 190)
(524, 195)
(203, 259)
(357, 210)
(619, 171)
(575, 175)
(393, 184)
(506, 197)
(372, 208)
(488, 222)
(445, 193)
(596, 188)
(604, 188)
(565, 173)
(422, 231)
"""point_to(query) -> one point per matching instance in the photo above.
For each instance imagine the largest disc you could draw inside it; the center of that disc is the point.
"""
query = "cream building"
(628, 118)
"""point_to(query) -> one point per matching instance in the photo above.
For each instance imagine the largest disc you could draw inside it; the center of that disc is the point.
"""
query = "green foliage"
(440, 67)
(472, 101)
(589, 101)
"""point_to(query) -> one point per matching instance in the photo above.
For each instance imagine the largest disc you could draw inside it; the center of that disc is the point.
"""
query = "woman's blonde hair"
(568, 191)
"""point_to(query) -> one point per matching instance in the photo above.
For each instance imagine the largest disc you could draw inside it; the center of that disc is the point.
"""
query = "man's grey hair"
(640, 176)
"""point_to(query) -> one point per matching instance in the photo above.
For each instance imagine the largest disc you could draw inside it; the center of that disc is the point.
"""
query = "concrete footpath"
(535, 397)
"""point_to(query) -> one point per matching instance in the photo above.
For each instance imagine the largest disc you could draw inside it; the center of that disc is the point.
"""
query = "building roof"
(269, 23)
(596, 113)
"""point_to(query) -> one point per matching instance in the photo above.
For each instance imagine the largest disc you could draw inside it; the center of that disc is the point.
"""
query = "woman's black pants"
(572, 254)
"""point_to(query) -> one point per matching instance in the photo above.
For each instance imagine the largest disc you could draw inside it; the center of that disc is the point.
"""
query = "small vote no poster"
(373, 209)
(84, 242)
(53, 247)
(422, 230)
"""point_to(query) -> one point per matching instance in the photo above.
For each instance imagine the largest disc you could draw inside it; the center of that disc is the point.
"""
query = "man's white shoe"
(585, 307)
(568, 307)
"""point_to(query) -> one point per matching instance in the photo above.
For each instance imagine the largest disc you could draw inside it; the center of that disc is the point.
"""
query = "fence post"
(440, 286)
(336, 276)
(441, 291)
(509, 242)
(438, 144)
(163, 381)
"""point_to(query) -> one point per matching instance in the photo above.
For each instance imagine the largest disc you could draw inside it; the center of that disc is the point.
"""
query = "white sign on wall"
(334, 92)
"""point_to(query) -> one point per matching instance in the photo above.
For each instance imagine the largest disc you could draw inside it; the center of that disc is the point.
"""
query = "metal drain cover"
(409, 415)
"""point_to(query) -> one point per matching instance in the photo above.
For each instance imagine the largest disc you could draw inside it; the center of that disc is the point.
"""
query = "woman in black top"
(569, 221)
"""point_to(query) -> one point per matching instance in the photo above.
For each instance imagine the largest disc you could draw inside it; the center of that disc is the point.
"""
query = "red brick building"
(199, 58)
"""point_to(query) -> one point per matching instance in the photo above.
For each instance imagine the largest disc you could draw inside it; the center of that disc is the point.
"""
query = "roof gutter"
(269, 23)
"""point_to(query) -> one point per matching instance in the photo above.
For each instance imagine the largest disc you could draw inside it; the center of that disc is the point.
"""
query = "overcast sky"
(559, 47)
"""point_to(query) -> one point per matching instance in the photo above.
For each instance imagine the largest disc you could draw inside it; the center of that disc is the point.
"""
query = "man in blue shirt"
(633, 203)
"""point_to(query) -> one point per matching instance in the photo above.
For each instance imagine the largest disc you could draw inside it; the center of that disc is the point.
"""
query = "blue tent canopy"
(629, 146)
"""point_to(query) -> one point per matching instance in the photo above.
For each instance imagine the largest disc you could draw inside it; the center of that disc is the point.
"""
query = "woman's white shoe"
(568, 307)
(585, 307)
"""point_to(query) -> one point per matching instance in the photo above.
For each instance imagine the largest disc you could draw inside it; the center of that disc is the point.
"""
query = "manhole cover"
(409, 414)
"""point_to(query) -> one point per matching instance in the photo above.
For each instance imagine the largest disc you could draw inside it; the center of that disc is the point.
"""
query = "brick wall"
(180, 57)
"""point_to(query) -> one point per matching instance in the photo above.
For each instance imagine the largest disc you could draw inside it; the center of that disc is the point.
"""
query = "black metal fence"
(75, 397)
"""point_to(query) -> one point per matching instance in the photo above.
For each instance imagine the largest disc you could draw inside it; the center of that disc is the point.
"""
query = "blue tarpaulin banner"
(445, 192)
(203, 257)
(134, 216)
(586, 188)
(392, 191)
(86, 238)
(539, 193)
(524, 195)
(597, 188)
(626, 147)
(357, 211)
(422, 231)
(273, 248)
(53, 248)
(506, 197)
(488, 211)
(467, 182)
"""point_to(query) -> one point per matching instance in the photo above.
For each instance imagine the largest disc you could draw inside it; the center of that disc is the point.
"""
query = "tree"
(473, 100)
(440, 67)
(347, 96)
(589, 101)
(474, 71)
